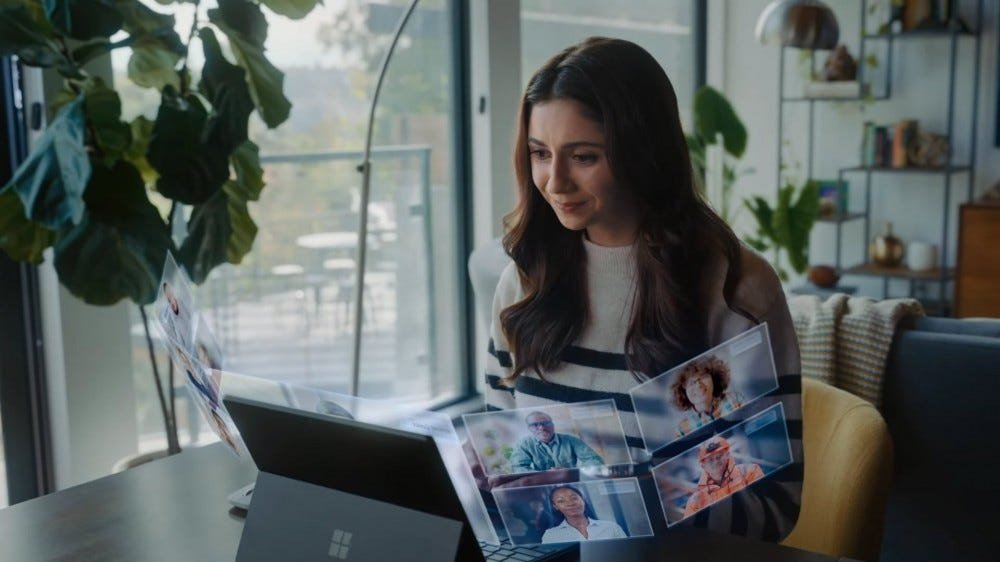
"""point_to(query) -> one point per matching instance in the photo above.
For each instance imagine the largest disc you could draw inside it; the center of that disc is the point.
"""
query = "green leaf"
(146, 24)
(25, 34)
(223, 84)
(294, 9)
(781, 222)
(266, 82)
(764, 214)
(152, 65)
(104, 110)
(249, 175)
(221, 230)
(118, 249)
(142, 130)
(190, 170)
(52, 180)
(802, 216)
(22, 239)
(90, 50)
(245, 18)
(713, 115)
(84, 19)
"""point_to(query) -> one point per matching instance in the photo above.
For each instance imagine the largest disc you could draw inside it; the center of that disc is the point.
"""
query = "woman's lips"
(569, 207)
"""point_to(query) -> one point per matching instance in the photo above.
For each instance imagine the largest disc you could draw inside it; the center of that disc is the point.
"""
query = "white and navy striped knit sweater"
(594, 368)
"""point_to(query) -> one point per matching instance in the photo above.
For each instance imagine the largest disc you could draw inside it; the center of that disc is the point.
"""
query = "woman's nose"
(559, 180)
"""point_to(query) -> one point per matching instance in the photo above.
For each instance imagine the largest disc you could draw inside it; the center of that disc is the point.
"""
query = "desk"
(176, 509)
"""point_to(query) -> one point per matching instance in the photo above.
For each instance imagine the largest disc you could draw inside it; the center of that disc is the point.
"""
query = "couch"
(941, 405)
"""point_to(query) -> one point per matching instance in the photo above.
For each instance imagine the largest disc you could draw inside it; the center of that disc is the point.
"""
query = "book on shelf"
(836, 89)
(905, 132)
(832, 198)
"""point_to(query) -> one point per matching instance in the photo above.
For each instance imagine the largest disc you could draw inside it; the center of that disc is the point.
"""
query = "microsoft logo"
(339, 544)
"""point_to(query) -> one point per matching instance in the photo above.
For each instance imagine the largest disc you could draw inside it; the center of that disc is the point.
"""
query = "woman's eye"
(585, 158)
(539, 154)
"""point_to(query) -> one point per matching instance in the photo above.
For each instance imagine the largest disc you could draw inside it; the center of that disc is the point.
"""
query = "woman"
(701, 392)
(575, 519)
(621, 271)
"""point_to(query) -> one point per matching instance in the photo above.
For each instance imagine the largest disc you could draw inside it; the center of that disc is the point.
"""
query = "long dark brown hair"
(624, 89)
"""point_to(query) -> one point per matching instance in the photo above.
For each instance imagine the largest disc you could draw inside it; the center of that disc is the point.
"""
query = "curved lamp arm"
(365, 169)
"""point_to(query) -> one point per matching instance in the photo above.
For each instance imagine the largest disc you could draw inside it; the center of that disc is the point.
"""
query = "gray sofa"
(942, 406)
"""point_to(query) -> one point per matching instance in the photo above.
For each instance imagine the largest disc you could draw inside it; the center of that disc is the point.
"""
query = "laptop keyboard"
(507, 552)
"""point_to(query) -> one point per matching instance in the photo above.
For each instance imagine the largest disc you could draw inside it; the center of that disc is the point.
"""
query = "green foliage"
(83, 189)
(786, 227)
(715, 118)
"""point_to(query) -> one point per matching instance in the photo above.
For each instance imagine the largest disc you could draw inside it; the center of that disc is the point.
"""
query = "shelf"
(833, 98)
(908, 170)
(812, 289)
(873, 270)
(838, 218)
(918, 34)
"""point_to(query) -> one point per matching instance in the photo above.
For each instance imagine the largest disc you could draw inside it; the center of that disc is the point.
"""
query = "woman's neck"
(579, 522)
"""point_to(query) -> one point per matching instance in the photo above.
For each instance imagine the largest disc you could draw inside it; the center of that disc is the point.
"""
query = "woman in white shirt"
(576, 520)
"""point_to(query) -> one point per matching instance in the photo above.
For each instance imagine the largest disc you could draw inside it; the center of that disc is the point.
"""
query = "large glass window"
(665, 29)
(286, 312)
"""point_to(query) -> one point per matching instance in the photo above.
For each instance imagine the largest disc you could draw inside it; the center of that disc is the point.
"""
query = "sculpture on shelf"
(886, 250)
(840, 66)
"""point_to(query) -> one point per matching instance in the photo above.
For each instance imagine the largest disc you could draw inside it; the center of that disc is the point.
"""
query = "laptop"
(335, 488)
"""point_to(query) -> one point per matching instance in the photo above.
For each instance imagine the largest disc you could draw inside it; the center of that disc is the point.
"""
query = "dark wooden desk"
(175, 509)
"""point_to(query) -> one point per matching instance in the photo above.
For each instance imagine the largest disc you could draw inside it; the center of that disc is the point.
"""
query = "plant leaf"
(245, 18)
(104, 110)
(762, 211)
(223, 84)
(142, 129)
(84, 19)
(249, 175)
(52, 180)
(152, 65)
(118, 249)
(266, 82)
(22, 239)
(90, 50)
(190, 170)
(24, 34)
(294, 9)
(802, 216)
(714, 115)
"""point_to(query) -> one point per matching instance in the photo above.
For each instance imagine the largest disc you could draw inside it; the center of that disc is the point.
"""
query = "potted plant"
(716, 122)
(786, 227)
(85, 189)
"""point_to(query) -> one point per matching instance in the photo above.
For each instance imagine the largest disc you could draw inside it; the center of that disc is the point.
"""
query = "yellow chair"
(848, 456)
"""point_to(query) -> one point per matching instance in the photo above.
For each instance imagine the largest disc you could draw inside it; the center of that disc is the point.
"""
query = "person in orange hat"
(720, 476)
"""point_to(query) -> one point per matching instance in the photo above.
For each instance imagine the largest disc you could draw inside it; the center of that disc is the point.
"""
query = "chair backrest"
(848, 470)
(940, 402)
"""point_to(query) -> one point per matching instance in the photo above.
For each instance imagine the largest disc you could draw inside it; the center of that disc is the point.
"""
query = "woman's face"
(699, 390)
(567, 502)
(569, 166)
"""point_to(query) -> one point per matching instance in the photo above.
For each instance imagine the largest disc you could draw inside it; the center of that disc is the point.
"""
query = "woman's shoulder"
(759, 284)
(509, 289)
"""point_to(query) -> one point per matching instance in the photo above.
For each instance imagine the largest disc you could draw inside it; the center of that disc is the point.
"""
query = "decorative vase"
(886, 250)
(823, 276)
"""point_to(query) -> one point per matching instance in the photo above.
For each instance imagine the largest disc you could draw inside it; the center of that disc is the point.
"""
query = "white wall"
(919, 80)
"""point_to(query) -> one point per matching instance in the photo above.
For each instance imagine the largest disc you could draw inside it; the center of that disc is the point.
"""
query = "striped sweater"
(594, 368)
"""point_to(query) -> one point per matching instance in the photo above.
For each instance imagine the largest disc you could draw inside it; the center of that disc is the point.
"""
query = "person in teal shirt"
(545, 449)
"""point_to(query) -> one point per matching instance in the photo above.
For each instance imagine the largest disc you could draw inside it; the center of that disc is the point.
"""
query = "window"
(666, 29)
(286, 313)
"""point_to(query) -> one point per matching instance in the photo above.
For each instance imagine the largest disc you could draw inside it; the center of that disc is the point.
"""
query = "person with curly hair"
(701, 391)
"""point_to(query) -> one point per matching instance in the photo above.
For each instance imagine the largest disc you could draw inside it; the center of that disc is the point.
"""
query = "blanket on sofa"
(844, 341)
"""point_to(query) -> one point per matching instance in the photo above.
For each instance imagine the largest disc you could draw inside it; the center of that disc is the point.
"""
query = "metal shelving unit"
(940, 275)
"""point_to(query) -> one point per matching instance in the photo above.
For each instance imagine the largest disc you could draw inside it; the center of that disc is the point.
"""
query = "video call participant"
(701, 391)
(621, 270)
(545, 449)
(575, 519)
(720, 475)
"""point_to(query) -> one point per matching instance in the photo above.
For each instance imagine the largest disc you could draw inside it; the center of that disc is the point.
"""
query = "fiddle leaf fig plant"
(85, 188)
(786, 227)
(716, 122)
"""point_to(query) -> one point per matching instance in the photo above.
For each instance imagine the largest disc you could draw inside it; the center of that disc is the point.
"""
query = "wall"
(912, 202)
